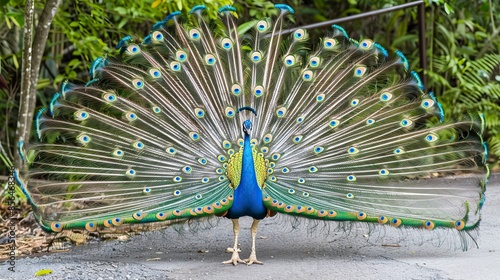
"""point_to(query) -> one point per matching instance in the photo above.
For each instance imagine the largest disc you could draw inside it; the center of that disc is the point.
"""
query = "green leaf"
(448, 9)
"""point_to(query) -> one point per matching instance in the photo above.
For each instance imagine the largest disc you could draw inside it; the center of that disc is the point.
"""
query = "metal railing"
(421, 27)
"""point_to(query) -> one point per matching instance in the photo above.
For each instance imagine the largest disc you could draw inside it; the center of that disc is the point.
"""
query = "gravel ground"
(286, 253)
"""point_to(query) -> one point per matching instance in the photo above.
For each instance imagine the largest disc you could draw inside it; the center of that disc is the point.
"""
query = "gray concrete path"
(286, 254)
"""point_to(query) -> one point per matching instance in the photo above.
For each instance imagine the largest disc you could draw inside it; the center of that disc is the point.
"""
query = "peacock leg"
(235, 259)
(253, 256)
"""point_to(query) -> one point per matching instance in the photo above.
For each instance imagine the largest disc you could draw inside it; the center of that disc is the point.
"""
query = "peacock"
(197, 120)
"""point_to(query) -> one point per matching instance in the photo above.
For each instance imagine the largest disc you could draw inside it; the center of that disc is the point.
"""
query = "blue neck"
(248, 195)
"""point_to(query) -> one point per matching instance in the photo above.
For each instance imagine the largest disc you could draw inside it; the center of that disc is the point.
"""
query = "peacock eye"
(299, 34)
(262, 26)
(226, 43)
(289, 60)
(329, 43)
(236, 89)
(366, 44)
(195, 34)
(181, 55)
(314, 61)
(209, 59)
(230, 113)
(258, 91)
(256, 57)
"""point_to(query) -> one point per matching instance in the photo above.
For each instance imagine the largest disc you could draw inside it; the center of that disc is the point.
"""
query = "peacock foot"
(252, 260)
(235, 259)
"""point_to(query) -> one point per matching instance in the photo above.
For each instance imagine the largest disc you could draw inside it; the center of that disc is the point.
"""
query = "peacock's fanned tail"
(346, 131)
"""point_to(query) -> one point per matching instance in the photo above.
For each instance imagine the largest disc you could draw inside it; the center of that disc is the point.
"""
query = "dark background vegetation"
(462, 47)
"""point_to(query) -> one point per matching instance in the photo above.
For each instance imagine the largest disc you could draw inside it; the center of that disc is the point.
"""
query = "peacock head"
(247, 126)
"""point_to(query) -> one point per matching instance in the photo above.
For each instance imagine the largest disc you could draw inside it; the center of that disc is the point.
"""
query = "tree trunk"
(32, 58)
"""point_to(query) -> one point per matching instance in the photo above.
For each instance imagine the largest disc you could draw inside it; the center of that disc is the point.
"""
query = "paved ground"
(287, 254)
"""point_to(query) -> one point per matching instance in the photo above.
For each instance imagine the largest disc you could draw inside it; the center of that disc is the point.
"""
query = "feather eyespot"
(351, 178)
(177, 193)
(130, 173)
(155, 73)
(138, 83)
(301, 180)
(354, 102)
(157, 36)
(202, 161)
(276, 156)
(313, 169)
(137, 216)
(199, 113)
(205, 180)
(110, 97)
(386, 96)
(459, 225)
(175, 66)
(314, 61)
(329, 43)
(161, 216)
(146, 190)
(230, 113)
(56, 227)
(366, 44)
(333, 123)
(395, 222)
(226, 43)
(318, 149)
(370, 121)
(320, 97)
(299, 34)
(130, 116)
(138, 145)
(383, 172)
(90, 226)
(361, 216)
(81, 115)
(210, 59)
(177, 179)
(382, 220)
(194, 136)
(291, 191)
(429, 225)
(187, 169)
(285, 170)
(181, 55)
(300, 119)
(267, 138)
(352, 150)
(222, 178)
(195, 34)
(118, 153)
(84, 139)
(264, 150)
(236, 89)
(221, 158)
(256, 57)
(171, 150)
(427, 103)
(258, 91)
(297, 139)
(431, 137)
(281, 112)
(305, 194)
(307, 75)
(226, 144)
(289, 60)
(398, 151)
(156, 109)
(406, 123)
(349, 195)
(262, 26)
(359, 71)
(133, 49)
